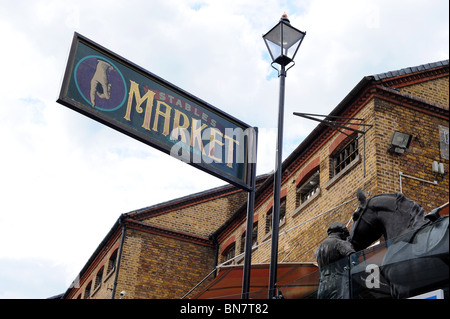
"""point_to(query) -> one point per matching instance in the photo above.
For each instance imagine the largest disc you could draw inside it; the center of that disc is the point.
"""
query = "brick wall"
(435, 91)
(304, 229)
(155, 266)
(167, 249)
(201, 219)
(417, 160)
(159, 266)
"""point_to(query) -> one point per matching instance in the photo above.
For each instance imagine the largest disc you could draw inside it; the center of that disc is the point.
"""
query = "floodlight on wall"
(399, 143)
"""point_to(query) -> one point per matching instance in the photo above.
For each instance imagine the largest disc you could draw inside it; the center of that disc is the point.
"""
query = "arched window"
(282, 213)
(229, 253)
(344, 156)
(308, 188)
(254, 237)
(87, 290)
(112, 262)
(99, 277)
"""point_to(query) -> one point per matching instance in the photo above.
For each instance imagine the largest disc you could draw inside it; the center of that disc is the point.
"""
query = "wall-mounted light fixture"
(438, 169)
(399, 143)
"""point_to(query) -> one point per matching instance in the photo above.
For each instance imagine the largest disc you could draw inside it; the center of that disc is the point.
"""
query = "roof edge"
(410, 70)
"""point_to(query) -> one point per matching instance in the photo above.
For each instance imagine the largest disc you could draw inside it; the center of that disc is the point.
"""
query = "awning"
(294, 281)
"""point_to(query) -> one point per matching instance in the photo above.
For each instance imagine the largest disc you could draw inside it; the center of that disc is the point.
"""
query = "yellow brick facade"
(432, 91)
(203, 218)
(166, 248)
(393, 106)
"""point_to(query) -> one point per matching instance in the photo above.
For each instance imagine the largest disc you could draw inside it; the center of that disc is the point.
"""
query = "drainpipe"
(416, 178)
(119, 257)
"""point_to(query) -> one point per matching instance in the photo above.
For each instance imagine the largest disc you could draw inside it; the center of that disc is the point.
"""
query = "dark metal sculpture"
(417, 257)
(330, 256)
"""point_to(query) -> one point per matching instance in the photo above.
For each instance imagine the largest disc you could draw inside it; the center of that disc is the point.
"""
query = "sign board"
(114, 91)
(435, 294)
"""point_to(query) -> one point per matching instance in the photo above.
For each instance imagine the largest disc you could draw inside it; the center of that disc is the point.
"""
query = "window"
(229, 253)
(87, 291)
(242, 243)
(112, 262)
(282, 209)
(282, 215)
(99, 277)
(308, 189)
(254, 237)
(343, 157)
(255, 234)
(269, 221)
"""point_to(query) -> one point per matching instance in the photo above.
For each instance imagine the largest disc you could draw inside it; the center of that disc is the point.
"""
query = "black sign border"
(99, 117)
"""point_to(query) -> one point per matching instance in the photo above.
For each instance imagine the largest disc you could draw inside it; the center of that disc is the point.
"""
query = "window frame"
(112, 261)
(226, 254)
(269, 214)
(311, 192)
(99, 278)
(88, 290)
(345, 155)
(349, 165)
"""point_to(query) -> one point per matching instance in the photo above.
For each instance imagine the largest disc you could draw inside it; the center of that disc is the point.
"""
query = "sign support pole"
(253, 144)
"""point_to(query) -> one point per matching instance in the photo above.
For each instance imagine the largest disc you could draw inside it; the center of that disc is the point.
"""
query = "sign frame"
(244, 181)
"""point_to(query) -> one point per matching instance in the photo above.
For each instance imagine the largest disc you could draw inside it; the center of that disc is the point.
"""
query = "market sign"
(113, 91)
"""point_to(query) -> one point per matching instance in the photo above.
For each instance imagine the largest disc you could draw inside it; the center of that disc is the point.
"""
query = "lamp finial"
(285, 18)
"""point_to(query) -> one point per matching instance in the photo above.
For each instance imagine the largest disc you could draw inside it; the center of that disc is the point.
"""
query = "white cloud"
(66, 179)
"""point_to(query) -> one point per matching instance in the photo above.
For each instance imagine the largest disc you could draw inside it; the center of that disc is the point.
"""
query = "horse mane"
(399, 203)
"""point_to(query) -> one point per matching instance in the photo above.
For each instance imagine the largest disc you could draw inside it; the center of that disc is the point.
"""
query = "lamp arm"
(278, 70)
(293, 63)
(271, 64)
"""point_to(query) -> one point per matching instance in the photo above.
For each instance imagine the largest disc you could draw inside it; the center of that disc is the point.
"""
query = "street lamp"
(283, 42)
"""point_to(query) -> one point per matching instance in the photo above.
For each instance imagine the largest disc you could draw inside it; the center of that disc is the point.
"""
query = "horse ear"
(361, 197)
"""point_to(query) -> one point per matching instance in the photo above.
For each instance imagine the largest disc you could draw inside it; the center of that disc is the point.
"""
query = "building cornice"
(422, 75)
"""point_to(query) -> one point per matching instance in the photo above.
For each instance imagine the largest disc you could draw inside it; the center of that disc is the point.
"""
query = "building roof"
(413, 69)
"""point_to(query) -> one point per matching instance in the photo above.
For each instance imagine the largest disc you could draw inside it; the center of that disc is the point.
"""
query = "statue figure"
(330, 256)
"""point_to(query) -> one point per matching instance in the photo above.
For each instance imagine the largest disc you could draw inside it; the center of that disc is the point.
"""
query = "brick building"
(164, 250)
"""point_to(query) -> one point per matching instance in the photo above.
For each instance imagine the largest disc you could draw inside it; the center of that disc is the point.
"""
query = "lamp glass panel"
(291, 38)
(273, 40)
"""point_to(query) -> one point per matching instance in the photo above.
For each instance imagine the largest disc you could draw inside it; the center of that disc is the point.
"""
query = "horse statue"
(417, 255)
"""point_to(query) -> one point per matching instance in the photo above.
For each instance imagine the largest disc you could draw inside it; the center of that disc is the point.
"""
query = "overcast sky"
(65, 179)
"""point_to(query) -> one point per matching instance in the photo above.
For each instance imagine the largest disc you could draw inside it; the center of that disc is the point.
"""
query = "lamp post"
(283, 42)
